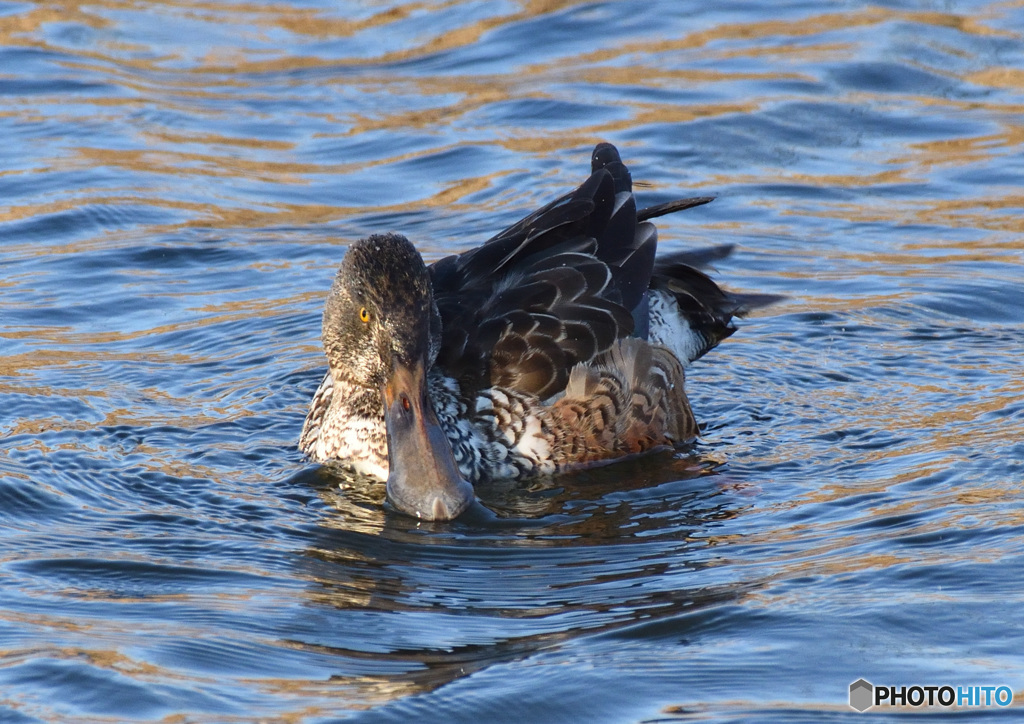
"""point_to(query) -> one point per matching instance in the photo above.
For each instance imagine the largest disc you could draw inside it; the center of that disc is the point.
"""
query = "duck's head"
(382, 331)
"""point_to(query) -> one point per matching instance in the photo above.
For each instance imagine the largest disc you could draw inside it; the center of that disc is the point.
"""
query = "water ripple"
(178, 186)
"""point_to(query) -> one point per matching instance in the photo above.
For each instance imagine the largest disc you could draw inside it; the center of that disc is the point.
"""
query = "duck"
(559, 344)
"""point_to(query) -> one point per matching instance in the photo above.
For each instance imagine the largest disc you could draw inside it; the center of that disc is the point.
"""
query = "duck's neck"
(346, 422)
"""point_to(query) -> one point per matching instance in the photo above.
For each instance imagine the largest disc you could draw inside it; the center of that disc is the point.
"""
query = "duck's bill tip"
(425, 504)
(423, 479)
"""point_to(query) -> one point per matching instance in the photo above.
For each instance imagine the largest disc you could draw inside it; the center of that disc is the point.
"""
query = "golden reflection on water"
(998, 78)
(155, 83)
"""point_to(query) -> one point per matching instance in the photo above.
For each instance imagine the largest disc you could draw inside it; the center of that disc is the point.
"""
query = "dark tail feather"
(696, 258)
(670, 207)
(707, 308)
(677, 272)
(747, 303)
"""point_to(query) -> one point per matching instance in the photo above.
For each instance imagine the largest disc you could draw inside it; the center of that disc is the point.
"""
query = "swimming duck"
(558, 344)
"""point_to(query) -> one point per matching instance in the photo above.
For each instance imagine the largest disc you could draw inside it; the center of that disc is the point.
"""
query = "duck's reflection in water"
(412, 606)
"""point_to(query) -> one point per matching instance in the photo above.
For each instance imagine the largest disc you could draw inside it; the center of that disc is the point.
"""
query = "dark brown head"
(380, 310)
(381, 330)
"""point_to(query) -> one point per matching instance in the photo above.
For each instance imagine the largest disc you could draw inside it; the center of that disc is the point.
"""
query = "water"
(178, 183)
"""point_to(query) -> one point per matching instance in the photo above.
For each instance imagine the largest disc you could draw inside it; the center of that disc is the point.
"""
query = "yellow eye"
(364, 314)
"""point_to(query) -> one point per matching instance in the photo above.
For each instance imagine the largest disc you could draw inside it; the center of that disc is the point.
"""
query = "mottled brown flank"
(628, 403)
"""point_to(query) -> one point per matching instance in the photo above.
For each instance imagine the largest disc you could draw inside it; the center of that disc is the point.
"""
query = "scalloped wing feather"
(545, 293)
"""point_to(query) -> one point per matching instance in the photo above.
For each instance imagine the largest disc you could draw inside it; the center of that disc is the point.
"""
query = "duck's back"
(561, 286)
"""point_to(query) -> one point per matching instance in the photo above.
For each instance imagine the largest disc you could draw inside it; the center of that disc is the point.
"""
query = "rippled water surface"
(178, 183)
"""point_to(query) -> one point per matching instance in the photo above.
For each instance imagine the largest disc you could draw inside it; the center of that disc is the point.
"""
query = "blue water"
(178, 183)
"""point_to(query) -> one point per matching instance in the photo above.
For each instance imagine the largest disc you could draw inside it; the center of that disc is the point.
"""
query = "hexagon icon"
(861, 695)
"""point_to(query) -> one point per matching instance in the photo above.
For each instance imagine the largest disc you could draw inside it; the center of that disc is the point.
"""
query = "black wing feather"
(552, 290)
